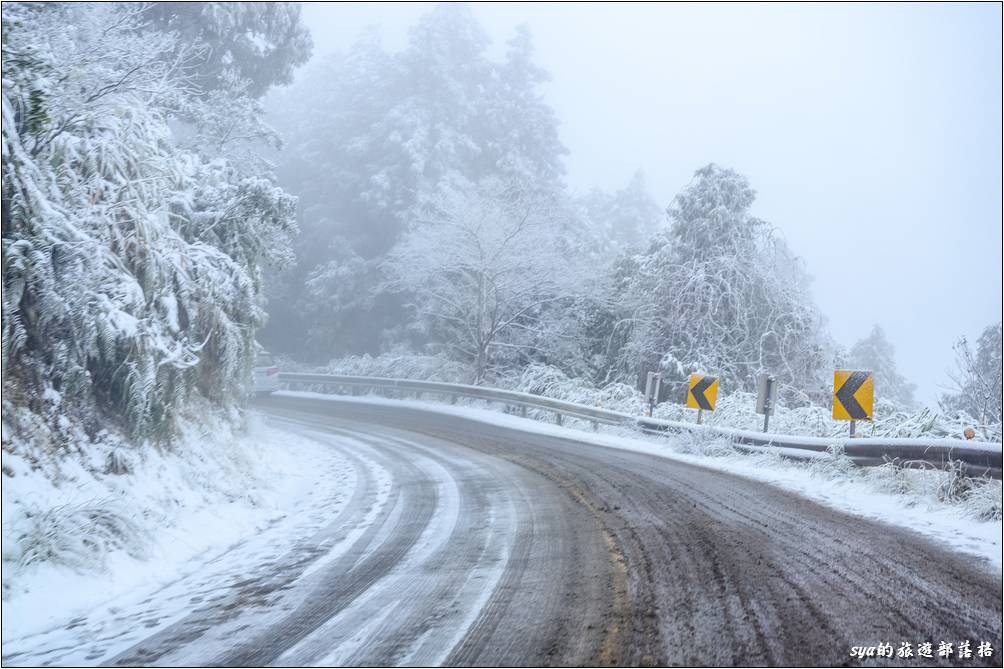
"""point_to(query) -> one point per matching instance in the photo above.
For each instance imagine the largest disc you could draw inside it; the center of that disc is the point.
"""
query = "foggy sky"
(872, 134)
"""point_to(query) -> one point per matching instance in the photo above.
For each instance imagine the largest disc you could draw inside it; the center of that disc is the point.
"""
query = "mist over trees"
(372, 136)
(612, 285)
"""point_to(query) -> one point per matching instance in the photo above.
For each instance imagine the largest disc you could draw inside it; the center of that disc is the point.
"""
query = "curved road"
(472, 544)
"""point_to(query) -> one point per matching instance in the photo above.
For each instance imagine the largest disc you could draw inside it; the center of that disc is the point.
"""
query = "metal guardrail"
(975, 458)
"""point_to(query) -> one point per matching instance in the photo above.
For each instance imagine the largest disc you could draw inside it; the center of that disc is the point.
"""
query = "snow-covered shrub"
(402, 365)
(984, 500)
(548, 381)
(130, 261)
(77, 536)
(704, 443)
(893, 478)
(955, 486)
(833, 464)
(768, 457)
(119, 461)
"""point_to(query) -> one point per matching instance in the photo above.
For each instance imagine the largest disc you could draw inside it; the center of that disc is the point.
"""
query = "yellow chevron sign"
(853, 394)
(702, 392)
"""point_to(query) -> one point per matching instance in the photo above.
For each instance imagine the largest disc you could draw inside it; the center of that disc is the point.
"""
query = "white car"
(266, 374)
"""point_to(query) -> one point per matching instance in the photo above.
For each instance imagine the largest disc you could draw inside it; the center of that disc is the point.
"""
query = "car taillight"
(272, 371)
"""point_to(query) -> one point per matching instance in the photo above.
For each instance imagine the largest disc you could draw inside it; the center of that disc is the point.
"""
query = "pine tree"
(877, 354)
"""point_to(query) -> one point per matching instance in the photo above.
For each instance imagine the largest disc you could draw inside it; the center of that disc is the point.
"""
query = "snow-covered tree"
(130, 264)
(482, 263)
(876, 353)
(259, 43)
(623, 221)
(720, 292)
(977, 378)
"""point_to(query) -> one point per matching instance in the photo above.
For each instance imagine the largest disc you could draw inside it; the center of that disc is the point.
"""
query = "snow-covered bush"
(77, 536)
(833, 464)
(706, 444)
(402, 365)
(893, 478)
(551, 382)
(130, 262)
(984, 501)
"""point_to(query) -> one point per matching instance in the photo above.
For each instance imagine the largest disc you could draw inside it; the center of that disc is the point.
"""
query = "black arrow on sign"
(698, 391)
(846, 395)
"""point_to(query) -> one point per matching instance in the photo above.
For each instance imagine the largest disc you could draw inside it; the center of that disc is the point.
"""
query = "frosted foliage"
(482, 264)
(131, 273)
(625, 220)
(722, 293)
(976, 388)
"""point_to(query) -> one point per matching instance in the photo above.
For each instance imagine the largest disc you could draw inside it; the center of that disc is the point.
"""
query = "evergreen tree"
(720, 292)
(877, 354)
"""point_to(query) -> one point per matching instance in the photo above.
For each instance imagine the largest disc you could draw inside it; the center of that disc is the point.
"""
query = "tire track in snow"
(722, 570)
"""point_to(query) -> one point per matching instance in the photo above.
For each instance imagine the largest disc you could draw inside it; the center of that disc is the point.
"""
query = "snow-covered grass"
(83, 528)
(958, 511)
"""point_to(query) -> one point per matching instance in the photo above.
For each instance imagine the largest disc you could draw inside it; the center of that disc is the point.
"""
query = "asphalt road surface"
(494, 546)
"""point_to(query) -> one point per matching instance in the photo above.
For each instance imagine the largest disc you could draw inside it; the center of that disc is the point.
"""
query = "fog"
(294, 293)
(871, 133)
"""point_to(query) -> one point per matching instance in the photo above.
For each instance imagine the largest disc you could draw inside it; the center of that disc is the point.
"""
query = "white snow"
(254, 492)
(945, 523)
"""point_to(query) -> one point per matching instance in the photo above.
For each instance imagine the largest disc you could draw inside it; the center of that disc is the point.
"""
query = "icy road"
(463, 543)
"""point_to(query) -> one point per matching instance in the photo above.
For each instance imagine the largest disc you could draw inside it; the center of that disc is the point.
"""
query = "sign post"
(853, 395)
(652, 385)
(766, 397)
(702, 394)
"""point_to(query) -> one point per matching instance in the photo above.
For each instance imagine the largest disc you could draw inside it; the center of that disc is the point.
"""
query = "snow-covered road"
(452, 541)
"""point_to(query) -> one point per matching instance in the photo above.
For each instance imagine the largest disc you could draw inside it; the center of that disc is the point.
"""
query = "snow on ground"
(913, 502)
(189, 509)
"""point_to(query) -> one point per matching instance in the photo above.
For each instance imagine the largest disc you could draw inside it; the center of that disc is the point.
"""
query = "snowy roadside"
(178, 515)
(906, 498)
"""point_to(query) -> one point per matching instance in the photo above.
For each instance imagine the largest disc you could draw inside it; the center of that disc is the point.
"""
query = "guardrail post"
(522, 410)
(453, 398)
(557, 417)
